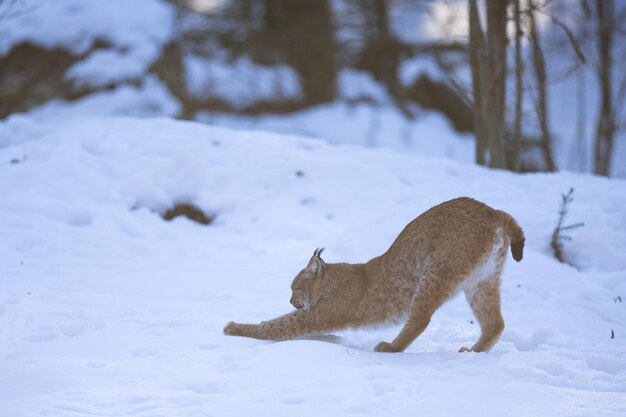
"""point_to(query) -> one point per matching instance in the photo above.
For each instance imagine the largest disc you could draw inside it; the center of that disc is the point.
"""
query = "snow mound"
(107, 309)
(136, 32)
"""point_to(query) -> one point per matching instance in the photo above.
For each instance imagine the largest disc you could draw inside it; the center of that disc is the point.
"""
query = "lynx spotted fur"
(458, 245)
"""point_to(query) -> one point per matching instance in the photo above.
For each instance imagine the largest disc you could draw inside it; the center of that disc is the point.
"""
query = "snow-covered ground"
(108, 310)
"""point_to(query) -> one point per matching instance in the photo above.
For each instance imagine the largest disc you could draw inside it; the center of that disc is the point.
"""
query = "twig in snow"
(557, 236)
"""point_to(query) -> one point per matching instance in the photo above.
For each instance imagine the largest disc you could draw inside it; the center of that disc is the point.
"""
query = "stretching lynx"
(458, 245)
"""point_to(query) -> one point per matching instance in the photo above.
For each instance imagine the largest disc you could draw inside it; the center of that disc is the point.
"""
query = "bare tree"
(598, 37)
(541, 103)
(477, 64)
(487, 52)
(604, 13)
(519, 90)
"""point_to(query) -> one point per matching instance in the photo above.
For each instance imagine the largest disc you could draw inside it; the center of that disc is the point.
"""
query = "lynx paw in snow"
(233, 329)
(385, 347)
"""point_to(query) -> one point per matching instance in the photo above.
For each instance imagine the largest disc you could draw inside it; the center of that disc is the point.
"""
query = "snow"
(149, 99)
(363, 124)
(353, 85)
(241, 82)
(106, 309)
(109, 67)
(136, 32)
(373, 122)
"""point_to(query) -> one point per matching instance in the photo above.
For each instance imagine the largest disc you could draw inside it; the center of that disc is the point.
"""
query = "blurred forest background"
(525, 85)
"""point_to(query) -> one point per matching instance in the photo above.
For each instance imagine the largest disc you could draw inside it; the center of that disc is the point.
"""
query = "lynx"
(458, 245)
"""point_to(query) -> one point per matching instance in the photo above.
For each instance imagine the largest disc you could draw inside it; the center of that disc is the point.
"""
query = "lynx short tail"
(516, 234)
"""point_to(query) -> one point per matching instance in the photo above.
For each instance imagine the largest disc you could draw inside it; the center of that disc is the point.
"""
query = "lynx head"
(305, 288)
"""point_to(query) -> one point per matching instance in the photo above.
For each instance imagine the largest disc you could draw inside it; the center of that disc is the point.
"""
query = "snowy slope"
(106, 309)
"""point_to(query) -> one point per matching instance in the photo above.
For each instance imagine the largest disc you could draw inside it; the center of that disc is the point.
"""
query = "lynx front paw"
(385, 347)
(233, 329)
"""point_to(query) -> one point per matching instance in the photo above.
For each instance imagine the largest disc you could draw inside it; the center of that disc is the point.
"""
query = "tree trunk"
(606, 125)
(517, 128)
(488, 62)
(496, 42)
(476, 57)
(304, 32)
(541, 106)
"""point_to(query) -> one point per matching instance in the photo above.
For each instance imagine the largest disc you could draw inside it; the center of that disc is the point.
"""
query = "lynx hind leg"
(484, 298)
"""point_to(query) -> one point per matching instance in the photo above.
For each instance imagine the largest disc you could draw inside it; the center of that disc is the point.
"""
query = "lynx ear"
(316, 263)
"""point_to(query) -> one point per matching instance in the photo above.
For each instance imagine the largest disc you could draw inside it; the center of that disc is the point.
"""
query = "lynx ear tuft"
(316, 263)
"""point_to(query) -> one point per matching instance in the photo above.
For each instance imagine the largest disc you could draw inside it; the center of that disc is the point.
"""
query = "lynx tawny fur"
(458, 245)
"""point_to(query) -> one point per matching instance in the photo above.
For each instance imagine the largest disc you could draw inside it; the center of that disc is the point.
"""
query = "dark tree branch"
(570, 37)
